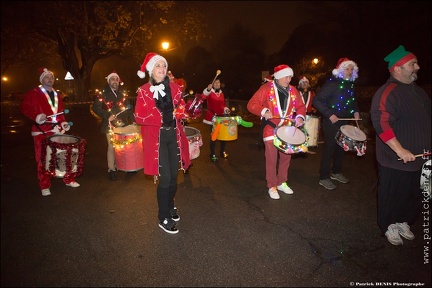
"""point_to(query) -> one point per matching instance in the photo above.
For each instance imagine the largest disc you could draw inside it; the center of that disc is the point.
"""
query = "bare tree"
(84, 32)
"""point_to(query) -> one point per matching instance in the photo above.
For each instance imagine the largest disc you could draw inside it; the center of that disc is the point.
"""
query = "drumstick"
(292, 120)
(66, 111)
(349, 119)
(217, 73)
(127, 108)
(420, 155)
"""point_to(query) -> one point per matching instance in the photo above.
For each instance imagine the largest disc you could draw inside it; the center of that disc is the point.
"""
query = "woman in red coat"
(159, 110)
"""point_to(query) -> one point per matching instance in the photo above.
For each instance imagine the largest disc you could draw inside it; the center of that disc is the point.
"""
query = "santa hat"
(44, 72)
(342, 64)
(149, 63)
(112, 75)
(398, 57)
(282, 71)
(303, 79)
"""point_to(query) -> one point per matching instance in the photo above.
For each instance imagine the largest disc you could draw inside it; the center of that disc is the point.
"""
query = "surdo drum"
(63, 154)
(312, 126)
(195, 141)
(128, 148)
(351, 138)
(290, 139)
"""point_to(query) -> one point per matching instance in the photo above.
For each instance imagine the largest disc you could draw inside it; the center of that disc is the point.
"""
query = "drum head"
(127, 130)
(291, 135)
(64, 139)
(190, 131)
(353, 132)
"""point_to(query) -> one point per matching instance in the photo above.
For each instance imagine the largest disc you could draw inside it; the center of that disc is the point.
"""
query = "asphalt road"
(232, 233)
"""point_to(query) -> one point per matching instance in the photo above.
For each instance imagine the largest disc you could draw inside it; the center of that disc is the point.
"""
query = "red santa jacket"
(267, 98)
(148, 116)
(37, 102)
(215, 104)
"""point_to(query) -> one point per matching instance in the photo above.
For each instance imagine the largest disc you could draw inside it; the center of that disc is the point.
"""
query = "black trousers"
(169, 158)
(213, 145)
(399, 196)
(331, 160)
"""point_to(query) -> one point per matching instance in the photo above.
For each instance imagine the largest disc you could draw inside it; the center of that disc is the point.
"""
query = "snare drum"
(290, 139)
(64, 154)
(312, 126)
(128, 149)
(228, 127)
(351, 138)
(195, 141)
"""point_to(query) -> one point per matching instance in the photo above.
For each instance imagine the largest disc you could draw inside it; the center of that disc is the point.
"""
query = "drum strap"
(39, 128)
(264, 122)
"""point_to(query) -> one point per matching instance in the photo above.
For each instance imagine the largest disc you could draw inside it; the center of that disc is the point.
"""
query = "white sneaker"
(404, 230)
(393, 236)
(273, 193)
(73, 184)
(46, 192)
(284, 188)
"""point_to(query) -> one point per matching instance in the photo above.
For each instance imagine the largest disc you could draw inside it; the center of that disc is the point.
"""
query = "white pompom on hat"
(342, 64)
(114, 73)
(282, 71)
(149, 63)
(44, 72)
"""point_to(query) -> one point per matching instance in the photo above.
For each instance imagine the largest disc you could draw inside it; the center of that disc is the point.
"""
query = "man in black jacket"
(108, 105)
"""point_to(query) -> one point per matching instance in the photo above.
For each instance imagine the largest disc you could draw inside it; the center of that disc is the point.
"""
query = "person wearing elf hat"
(216, 105)
(307, 94)
(159, 110)
(335, 100)
(107, 105)
(401, 116)
(38, 104)
(278, 104)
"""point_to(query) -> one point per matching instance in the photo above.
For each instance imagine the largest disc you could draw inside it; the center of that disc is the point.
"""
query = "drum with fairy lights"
(128, 148)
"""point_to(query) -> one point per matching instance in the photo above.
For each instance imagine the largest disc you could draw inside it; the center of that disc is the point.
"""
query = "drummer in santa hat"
(307, 94)
(38, 105)
(336, 99)
(275, 102)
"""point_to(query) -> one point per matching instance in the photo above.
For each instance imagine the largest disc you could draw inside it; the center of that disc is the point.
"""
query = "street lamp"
(165, 45)
(315, 61)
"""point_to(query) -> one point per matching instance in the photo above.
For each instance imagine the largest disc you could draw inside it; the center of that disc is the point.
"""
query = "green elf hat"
(398, 57)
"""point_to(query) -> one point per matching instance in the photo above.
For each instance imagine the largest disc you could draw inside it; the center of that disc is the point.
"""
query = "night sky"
(276, 21)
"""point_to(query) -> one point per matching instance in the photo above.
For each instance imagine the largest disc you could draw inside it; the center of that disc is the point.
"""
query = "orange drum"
(128, 148)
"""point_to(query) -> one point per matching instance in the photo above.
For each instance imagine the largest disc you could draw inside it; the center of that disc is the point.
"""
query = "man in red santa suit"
(37, 105)
(307, 94)
(276, 101)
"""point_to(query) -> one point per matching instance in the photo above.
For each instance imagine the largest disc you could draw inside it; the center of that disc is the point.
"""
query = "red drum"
(128, 148)
(351, 138)
(195, 141)
(290, 139)
(63, 154)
